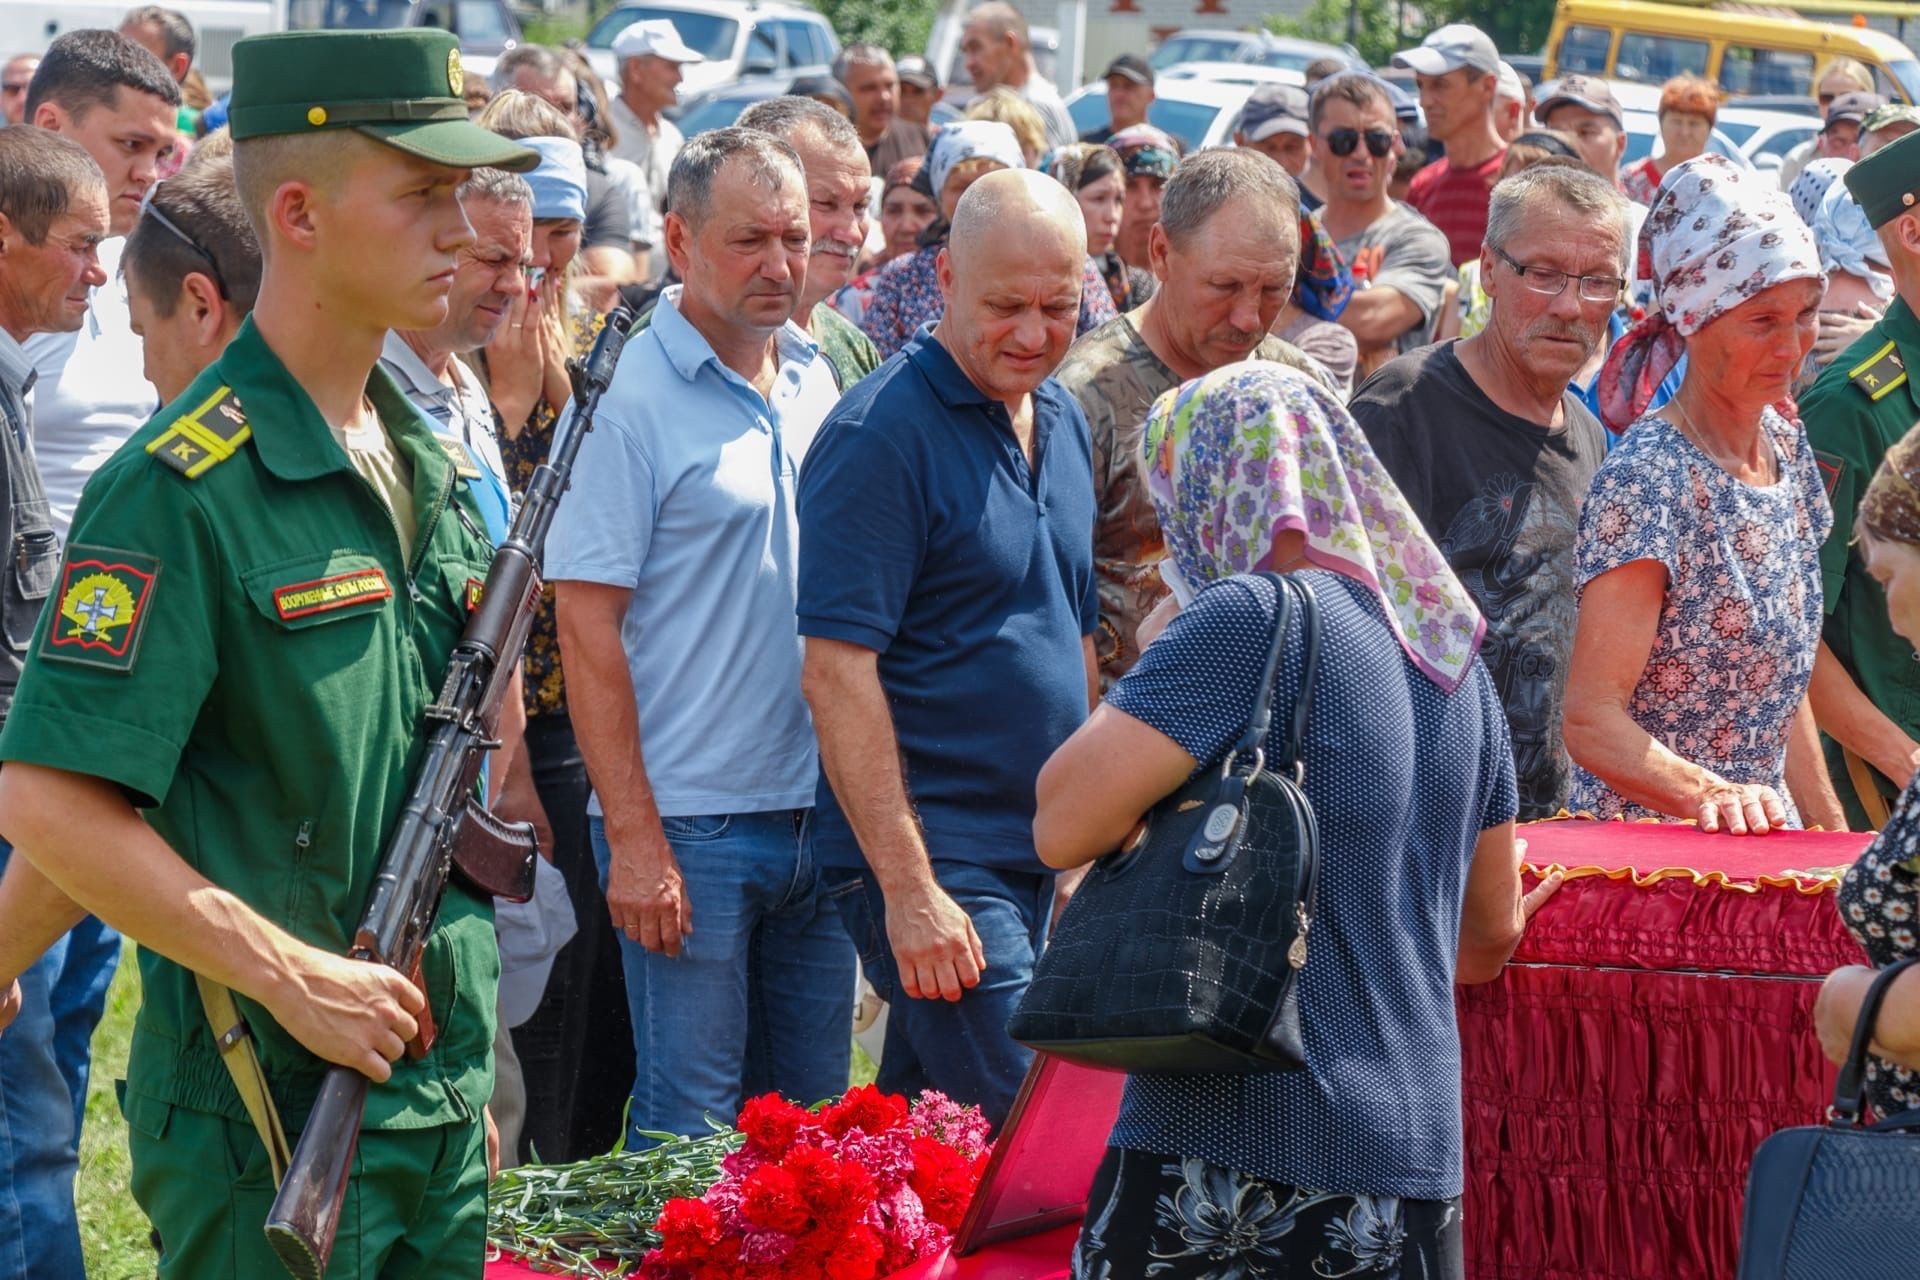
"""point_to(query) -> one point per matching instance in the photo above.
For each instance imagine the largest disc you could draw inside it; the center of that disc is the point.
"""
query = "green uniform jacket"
(1858, 409)
(237, 641)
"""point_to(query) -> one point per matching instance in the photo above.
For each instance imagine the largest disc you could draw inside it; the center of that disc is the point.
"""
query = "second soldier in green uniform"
(222, 705)
(1866, 685)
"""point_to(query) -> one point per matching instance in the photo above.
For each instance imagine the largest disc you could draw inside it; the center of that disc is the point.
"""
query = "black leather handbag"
(1182, 952)
(1838, 1201)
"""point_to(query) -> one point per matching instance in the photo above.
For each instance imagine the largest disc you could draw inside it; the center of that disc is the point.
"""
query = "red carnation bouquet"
(855, 1190)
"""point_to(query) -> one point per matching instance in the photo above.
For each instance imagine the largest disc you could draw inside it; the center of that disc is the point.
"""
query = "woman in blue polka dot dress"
(1352, 1166)
(1879, 898)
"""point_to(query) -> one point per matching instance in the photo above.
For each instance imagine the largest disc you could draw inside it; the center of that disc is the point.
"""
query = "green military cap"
(1892, 113)
(403, 88)
(1887, 183)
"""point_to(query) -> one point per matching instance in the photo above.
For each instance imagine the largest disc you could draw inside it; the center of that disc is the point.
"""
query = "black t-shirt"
(1501, 496)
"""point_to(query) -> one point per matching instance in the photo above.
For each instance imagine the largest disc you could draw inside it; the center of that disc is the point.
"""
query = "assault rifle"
(443, 828)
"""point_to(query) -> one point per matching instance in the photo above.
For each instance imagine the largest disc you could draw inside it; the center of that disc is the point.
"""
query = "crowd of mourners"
(909, 560)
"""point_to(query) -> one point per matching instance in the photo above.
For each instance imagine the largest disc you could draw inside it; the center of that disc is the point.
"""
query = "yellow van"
(1745, 53)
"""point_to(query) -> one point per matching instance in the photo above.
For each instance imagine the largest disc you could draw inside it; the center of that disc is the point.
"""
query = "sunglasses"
(1342, 141)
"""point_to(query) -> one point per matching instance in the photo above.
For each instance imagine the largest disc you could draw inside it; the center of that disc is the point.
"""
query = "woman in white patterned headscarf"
(1698, 555)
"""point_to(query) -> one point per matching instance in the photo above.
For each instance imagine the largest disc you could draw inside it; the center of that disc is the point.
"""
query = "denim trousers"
(760, 998)
(40, 1109)
(959, 1047)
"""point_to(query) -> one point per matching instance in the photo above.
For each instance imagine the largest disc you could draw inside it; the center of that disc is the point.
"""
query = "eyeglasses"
(1545, 280)
(151, 211)
(1342, 141)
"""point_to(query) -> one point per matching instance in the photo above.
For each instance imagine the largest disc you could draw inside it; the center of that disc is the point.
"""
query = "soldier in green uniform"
(1866, 683)
(221, 706)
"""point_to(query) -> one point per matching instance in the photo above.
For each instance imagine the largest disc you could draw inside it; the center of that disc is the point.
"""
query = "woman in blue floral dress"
(1698, 559)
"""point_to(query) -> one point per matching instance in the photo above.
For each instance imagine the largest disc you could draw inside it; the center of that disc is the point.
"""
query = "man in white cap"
(1458, 70)
(649, 56)
(1509, 103)
(1274, 123)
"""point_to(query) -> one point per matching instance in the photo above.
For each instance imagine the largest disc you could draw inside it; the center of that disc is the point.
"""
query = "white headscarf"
(971, 140)
(1848, 244)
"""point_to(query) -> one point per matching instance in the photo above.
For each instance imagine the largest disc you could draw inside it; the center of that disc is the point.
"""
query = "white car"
(1200, 113)
(1765, 137)
(1251, 74)
(740, 39)
(1643, 140)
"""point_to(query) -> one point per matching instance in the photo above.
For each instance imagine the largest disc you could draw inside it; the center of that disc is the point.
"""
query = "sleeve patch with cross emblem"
(103, 604)
(1880, 374)
(203, 437)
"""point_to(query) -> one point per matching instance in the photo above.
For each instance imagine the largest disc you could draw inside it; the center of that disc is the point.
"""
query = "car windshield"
(1196, 49)
(480, 22)
(1641, 141)
(309, 15)
(713, 113)
(707, 34)
(1284, 58)
(1906, 73)
(1737, 130)
(1187, 121)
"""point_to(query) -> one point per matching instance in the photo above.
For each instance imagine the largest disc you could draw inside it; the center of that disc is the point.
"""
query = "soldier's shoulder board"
(1880, 374)
(203, 437)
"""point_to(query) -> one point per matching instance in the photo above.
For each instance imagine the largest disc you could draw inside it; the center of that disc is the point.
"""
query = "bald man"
(946, 548)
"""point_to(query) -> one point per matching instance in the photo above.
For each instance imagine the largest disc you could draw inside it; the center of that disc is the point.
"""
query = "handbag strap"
(1309, 667)
(1253, 740)
(1849, 1092)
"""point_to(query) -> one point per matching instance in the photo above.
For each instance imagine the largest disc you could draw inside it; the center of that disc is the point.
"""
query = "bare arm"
(934, 943)
(84, 836)
(1100, 782)
(1896, 1032)
(33, 916)
(1848, 716)
(646, 895)
(1379, 315)
(1807, 779)
(1613, 638)
(515, 797)
(1494, 916)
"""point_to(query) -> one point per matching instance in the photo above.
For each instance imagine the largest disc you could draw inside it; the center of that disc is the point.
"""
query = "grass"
(113, 1231)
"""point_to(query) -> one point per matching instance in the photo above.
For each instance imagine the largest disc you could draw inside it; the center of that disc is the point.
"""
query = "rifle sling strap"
(234, 1039)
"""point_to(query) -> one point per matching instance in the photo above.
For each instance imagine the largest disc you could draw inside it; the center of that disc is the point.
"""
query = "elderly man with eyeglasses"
(1495, 450)
(1400, 261)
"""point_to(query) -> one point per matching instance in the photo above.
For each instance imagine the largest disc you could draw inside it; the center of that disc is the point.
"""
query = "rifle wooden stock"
(442, 827)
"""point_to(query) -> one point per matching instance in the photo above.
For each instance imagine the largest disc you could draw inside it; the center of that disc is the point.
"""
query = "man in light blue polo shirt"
(674, 561)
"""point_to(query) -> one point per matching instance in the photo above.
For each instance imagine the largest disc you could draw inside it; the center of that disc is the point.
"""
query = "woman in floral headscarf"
(1698, 558)
(1354, 1163)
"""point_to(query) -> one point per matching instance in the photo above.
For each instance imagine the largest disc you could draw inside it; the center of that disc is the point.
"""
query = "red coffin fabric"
(1653, 1029)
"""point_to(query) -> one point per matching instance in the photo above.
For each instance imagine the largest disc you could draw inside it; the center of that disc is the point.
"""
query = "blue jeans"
(959, 1047)
(760, 997)
(39, 1132)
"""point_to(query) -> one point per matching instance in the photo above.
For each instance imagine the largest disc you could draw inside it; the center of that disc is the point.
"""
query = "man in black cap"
(259, 595)
(919, 90)
(1584, 108)
(1274, 123)
(1840, 135)
(1129, 94)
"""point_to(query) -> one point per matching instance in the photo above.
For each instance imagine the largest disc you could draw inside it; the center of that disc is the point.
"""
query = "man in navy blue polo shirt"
(948, 601)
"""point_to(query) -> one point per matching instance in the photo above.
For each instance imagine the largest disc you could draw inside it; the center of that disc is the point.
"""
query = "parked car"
(718, 108)
(1200, 113)
(1291, 54)
(486, 28)
(1251, 74)
(958, 91)
(740, 39)
(1203, 44)
(1765, 137)
(1643, 140)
